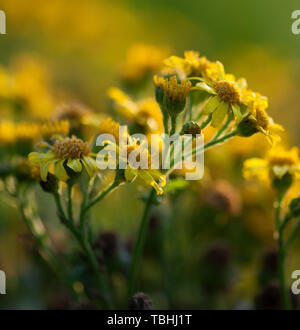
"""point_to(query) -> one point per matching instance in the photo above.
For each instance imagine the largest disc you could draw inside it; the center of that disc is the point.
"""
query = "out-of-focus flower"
(29, 85)
(69, 152)
(52, 128)
(141, 61)
(192, 65)
(75, 113)
(109, 126)
(144, 112)
(140, 301)
(277, 164)
(11, 132)
(222, 196)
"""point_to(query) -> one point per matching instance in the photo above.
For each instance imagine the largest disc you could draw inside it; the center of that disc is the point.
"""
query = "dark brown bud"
(140, 301)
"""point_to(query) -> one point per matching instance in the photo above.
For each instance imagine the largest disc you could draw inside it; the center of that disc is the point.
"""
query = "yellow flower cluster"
(11, 132)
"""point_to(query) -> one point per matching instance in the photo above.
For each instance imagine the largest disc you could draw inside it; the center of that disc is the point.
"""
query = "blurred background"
(218, 249)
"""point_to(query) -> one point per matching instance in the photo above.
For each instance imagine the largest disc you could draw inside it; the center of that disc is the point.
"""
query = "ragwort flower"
(70, 152)
(277, 164)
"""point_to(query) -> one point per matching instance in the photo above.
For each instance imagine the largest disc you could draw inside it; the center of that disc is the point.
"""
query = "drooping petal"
(219, 114)
(60, 171)
(75, 165)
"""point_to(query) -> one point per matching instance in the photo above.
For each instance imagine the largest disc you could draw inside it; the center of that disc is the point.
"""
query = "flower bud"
(175, 94)
(247, 127)
(190, 127)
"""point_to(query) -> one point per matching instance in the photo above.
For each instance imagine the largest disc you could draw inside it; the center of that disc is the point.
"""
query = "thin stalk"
(83, 242)
(224, 127)
(139, 244)
(293, 234)
(100, 196)
(206, 122)
(282, 254)
(70, 208)
(165, 119)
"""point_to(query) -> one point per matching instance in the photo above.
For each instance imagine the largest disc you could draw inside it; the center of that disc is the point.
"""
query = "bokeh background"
(218, 247)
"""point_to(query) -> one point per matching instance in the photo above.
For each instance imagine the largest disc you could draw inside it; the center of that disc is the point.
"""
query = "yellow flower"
(142, 60)
(109, 126)
(192, 65)
(11, 132)
(227, 96)
(277, 163)
(145, 112)
(30, 84)
(53, 128)
(71, 152)
(146, 177)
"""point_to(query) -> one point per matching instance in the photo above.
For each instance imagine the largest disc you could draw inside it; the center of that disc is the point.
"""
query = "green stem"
(100, 196)
(88, 250)
(173, 124)
(281, 254)
(293, 234)
(224, 127)
(206, 122)
(139, 245)
(165, 119)
(83, 242)
(70, 208)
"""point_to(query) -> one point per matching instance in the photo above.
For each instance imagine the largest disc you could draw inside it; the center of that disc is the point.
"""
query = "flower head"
(260, 122)
(52, 128)
(192, 65)
(144, 112)
(64, 154)
(226, 97)
(141, 61)
(277, 164)
(135, 168)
